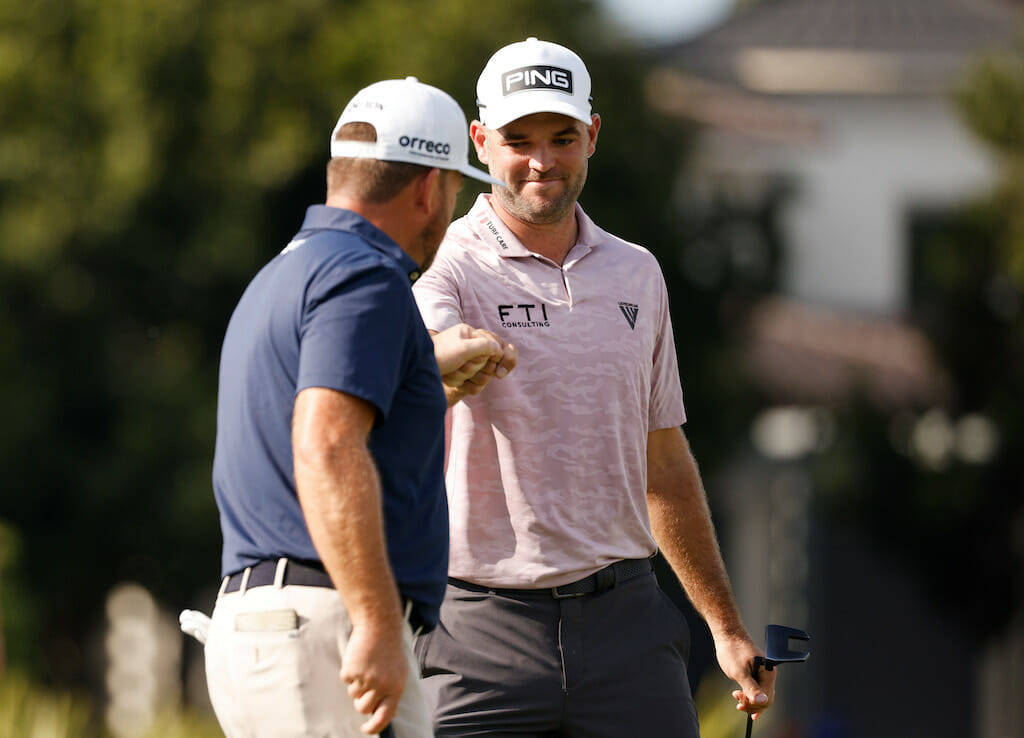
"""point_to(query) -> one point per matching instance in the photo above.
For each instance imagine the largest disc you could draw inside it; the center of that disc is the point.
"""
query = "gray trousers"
(608, 665)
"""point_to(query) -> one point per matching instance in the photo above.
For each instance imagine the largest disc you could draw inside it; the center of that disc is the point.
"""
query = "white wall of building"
(846, 224)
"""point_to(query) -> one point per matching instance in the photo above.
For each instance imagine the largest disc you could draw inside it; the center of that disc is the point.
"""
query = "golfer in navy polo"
(328, 464)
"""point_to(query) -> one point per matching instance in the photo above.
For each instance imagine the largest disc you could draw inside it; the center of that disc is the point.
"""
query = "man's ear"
(592, 130)
(429, 192)
(478, 134)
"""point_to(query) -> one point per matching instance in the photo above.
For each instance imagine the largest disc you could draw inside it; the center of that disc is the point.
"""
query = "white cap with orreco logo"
(415, 123)
(533, 77)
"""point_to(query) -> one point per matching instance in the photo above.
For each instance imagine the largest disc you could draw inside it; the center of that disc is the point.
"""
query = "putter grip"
(755, 669)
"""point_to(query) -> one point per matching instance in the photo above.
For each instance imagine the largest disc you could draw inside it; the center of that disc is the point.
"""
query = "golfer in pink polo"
(565, 478)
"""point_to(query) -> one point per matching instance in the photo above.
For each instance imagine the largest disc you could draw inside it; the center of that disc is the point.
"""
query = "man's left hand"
(736, 657)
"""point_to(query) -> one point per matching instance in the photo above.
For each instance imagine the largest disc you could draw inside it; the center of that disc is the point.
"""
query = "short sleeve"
(354, 333)
(437, 295)
(666, 405)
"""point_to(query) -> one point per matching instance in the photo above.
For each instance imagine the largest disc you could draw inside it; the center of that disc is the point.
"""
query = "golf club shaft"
(750, 724)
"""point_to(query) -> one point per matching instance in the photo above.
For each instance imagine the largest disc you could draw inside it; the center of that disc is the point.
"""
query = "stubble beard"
(430, 239)
(545, 211)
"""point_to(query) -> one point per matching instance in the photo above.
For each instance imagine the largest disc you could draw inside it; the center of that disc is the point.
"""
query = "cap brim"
(481, 175)
(367, 150)
(502, 118)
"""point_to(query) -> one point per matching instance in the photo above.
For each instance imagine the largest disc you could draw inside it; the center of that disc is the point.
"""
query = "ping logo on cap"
(536, 77)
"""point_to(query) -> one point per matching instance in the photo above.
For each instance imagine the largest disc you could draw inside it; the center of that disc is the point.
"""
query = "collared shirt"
(547, 470)
(334, 309)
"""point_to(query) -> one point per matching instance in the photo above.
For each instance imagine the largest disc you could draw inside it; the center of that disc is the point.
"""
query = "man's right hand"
(375, 667)
(469, 358)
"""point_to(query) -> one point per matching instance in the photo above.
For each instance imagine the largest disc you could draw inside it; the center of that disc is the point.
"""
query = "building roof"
(803, 353)
(927, 38)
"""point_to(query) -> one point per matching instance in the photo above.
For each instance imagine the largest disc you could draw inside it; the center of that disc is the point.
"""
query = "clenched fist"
(469, 358)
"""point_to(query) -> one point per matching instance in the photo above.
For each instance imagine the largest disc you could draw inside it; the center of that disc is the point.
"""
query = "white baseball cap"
(415, 123)
(533, 77)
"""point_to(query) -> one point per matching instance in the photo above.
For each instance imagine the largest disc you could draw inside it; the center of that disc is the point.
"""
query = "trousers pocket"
(272, 675)
(266, 621)
(419, 649)
(682, 627)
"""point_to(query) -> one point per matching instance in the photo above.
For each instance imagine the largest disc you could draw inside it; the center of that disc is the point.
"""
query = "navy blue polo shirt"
(334, 309)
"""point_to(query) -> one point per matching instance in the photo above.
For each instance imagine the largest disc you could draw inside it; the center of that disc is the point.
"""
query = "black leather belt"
(599, 581)
(308, 574)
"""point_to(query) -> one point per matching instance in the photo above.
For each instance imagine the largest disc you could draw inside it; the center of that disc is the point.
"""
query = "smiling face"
(542, 158)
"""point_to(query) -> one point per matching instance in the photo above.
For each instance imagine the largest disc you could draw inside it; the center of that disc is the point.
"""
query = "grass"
(27, 711)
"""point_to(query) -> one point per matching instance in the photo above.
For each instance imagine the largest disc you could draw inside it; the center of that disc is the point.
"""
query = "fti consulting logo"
(629, 311)
(537, 77)
(524, 315)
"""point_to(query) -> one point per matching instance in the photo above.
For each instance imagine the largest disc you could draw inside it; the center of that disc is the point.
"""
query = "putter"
(777, 651)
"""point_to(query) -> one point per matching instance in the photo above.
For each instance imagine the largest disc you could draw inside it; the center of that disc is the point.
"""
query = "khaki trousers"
(273, 662)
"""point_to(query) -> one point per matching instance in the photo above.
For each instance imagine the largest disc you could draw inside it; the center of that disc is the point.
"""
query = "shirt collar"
(323, 217)
(492, 230)
(589, 234)
(486, 223)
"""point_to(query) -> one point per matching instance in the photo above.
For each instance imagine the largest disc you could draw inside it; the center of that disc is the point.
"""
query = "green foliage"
(26, 711)
(17, 606)
(991, 100)
(10, 544)
(184, 724)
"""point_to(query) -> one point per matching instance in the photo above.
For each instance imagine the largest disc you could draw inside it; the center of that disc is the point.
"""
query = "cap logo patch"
(357, 104)
(423, 145)
(536, 77)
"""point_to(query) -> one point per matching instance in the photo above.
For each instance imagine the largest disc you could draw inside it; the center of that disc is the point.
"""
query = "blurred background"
(834, 189)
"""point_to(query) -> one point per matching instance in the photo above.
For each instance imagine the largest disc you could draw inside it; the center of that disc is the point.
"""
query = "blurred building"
(837, 116)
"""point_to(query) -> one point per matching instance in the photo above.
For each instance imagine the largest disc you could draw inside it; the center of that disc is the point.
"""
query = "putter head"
(777, 651)
(776, 645)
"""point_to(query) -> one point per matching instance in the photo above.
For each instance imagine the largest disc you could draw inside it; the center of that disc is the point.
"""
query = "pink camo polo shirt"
(547, 468)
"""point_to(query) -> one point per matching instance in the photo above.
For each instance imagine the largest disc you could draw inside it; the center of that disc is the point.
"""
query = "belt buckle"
(565, 596)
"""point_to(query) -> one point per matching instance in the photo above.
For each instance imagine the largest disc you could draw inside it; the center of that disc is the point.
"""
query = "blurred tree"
(992, 102)
(153, 156)
(6, 550)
